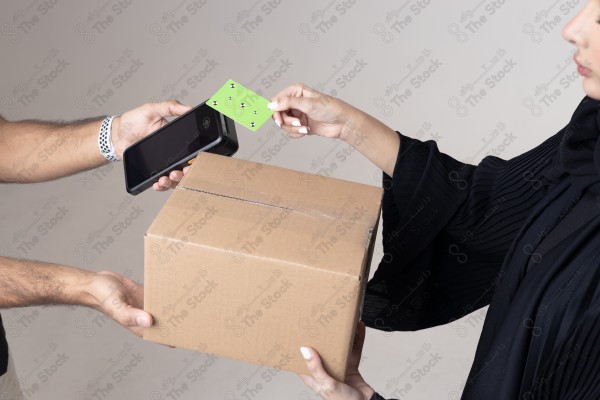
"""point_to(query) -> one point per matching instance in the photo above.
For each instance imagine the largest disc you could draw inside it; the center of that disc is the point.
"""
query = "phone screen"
(171, 145)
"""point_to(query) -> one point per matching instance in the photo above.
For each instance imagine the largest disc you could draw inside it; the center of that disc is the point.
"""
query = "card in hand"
(241, 104)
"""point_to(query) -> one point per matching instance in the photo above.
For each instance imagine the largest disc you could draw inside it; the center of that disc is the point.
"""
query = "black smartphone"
(176, 143)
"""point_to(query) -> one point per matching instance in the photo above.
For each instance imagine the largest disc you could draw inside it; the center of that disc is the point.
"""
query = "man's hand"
(142, 121)
(354, 388)
(36, 151)
(120, 298)
(169, 182)
(139, 123)
(29, 283)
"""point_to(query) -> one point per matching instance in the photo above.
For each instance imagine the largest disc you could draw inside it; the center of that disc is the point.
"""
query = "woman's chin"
(592, 89)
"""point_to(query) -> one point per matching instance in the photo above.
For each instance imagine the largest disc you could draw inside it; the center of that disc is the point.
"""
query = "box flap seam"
(237, 198)
(357, 277)
(310, 213)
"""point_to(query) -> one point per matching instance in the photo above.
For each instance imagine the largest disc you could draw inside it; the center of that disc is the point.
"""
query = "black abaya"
(521, 235)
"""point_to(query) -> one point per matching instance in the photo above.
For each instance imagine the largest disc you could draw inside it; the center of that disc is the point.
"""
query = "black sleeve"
(3, 350)
(376, 396)
(447, 227)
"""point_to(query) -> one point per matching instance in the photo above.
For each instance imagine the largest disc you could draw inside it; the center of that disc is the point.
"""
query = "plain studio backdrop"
(480, 77)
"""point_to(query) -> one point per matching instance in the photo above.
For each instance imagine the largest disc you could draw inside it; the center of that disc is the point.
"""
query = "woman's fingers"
(359, 341)
(301, 105)
(296, 90)
(320, 381)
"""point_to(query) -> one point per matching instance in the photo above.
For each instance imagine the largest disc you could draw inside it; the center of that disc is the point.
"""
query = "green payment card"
(241, 105)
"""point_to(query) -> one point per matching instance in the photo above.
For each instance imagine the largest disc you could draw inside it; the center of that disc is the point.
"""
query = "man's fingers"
(175, 176)
(137, 331)
(170, 182)
(169, 108)
(135, 293)
(157, 188)
(164, 183)
(142, 320)
(131, 317)
(173, 107)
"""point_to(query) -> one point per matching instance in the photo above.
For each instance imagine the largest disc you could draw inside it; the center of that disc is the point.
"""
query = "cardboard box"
(250, 261)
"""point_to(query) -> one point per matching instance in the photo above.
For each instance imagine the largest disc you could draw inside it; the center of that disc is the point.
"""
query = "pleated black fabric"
(3, 350)
(520, 235)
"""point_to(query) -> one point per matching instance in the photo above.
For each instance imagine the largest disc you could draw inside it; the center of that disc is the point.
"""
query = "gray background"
(375, 55)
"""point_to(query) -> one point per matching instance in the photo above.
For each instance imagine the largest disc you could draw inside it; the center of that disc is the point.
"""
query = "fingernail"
(303, 130)
(305, 353)
(272, 105)
(278, 123)
(142, 320)
(296, 123)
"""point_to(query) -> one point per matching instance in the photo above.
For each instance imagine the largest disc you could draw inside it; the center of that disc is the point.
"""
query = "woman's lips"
(583, 71)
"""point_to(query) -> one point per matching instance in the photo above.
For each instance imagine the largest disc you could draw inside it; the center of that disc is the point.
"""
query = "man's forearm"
(25, 283)
(34, 151)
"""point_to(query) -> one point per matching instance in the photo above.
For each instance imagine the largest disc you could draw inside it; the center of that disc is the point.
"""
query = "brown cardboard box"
(251, 262)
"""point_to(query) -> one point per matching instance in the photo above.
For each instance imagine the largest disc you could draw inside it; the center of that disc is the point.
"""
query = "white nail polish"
(272, 105)
(296, 123)
(278, 123)
(305, 353)
(303, 130)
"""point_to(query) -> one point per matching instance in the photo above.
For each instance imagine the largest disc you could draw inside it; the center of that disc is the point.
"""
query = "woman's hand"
(354, 388)
(301, 110)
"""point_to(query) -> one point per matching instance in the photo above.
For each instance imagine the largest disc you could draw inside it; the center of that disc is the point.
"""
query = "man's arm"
(35, 151)
(27, 283)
